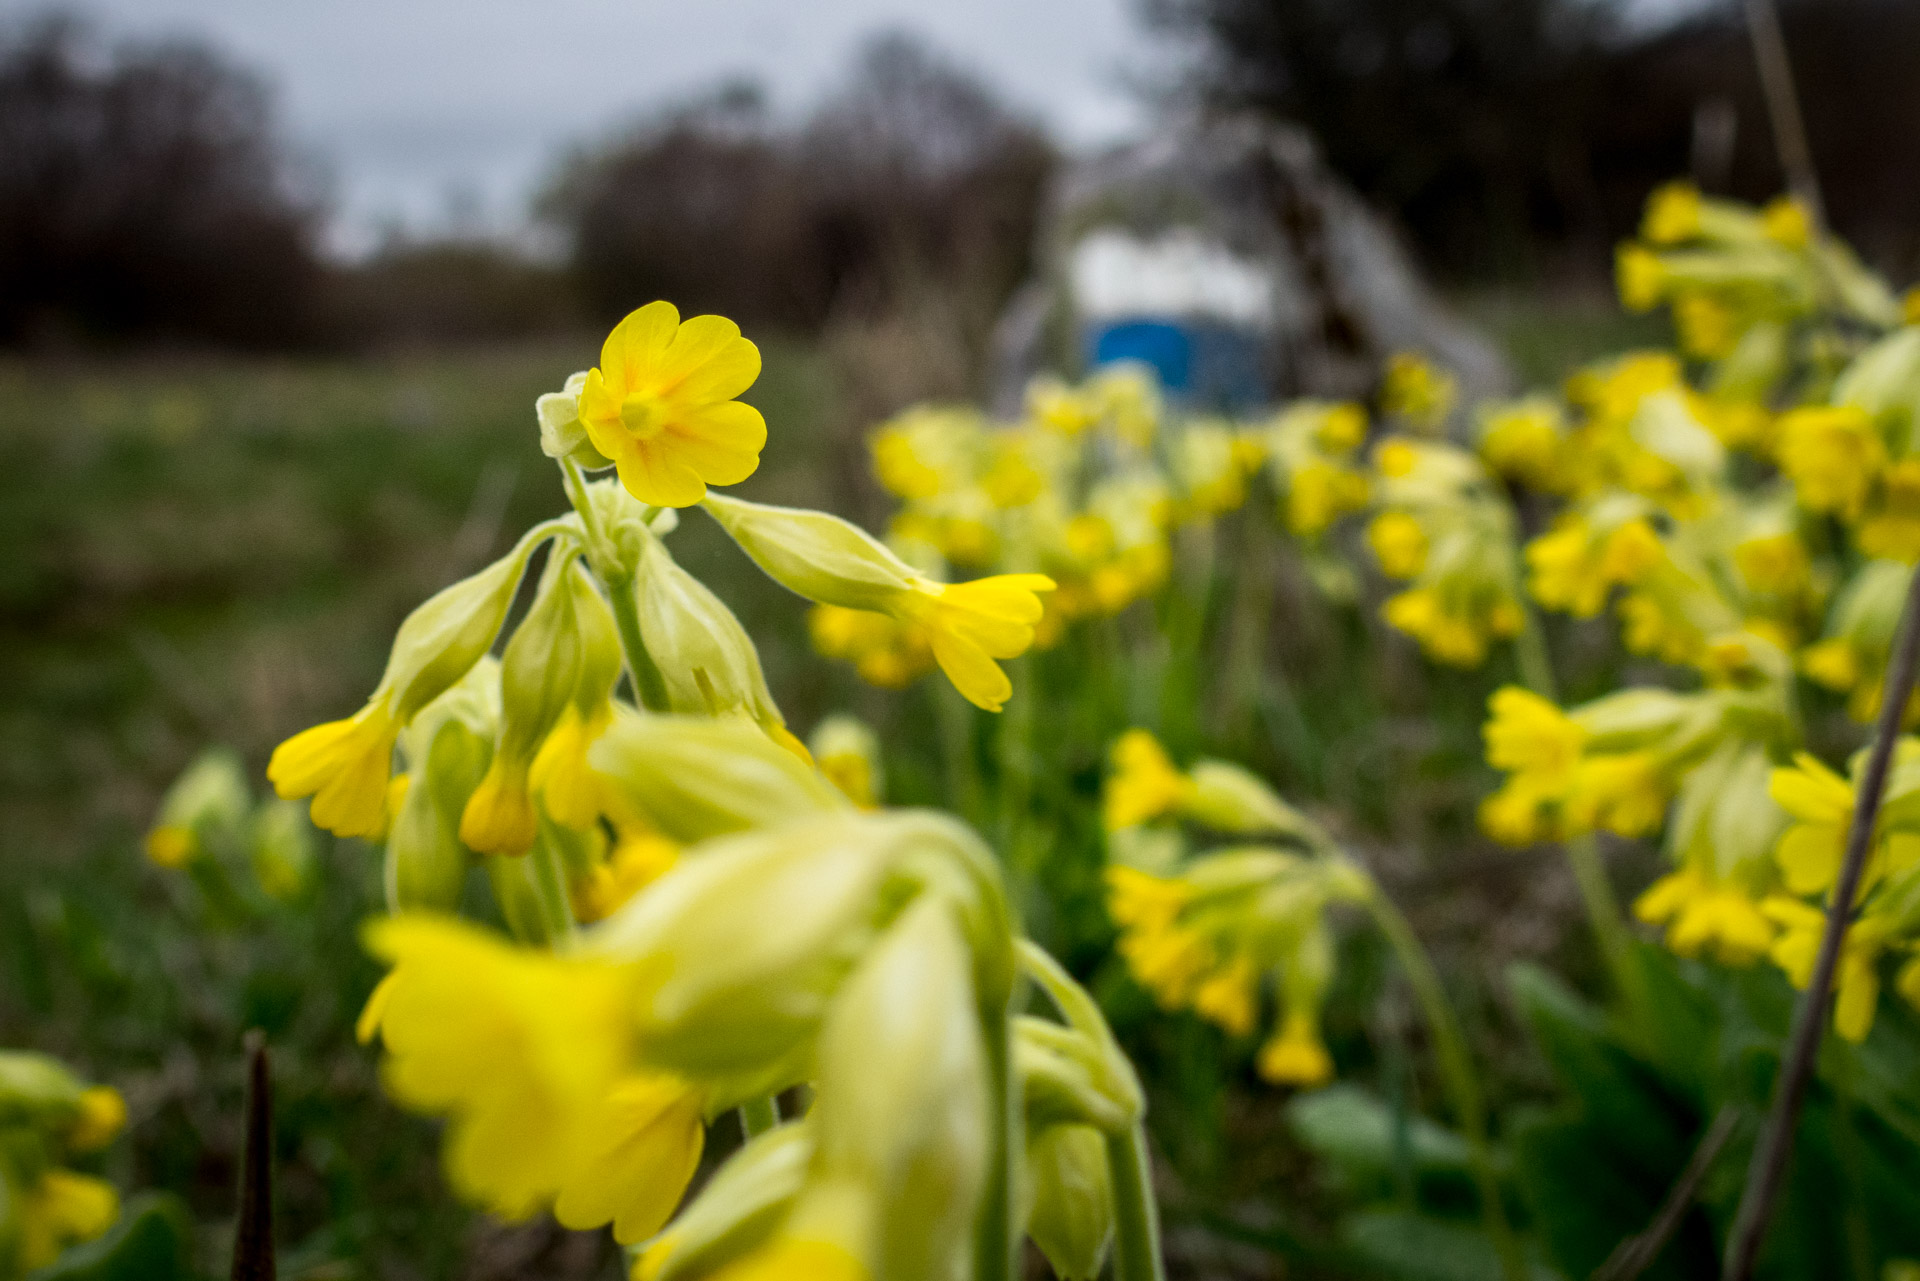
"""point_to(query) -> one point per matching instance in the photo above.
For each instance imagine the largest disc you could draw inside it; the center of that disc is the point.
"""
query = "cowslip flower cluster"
(1094, 486)
(492, 751)
(48, 1118)
(1886, 929)
(211, 827)
(1207, 932)
(1441, 528)
(701, 913)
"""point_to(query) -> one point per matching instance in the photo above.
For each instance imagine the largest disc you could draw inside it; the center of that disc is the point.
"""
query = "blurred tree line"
(146, 196)
(1512, 136)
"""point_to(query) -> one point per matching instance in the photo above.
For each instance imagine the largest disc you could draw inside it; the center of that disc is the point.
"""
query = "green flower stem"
(1136, 1219)
(955, 716)
(995, 1247)
(550, 892)
(757, 1116)
(1608, 922)
(1456, 1073)
(649, 688)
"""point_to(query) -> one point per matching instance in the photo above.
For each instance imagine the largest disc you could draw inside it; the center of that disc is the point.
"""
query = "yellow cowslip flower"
(884, 650)
(1572, 568)
(831, 562)
(1832, 663)
(1787, 222)
(1821, 804)
(1295, 1055)
(1856, 982)
(1447, 637)
(1319, 493)
(103, 1114)
(926, 450)
(1527, 442)
(1622, 792)
(1143, 785)
(1774, 564)
(1891, 527)
(1709, 328)
(848, 753)
(1910, 306)
(1230, 997)
(1672, 214)
(1059, 407)
(1554, 787)
(1529, 735)
(969, 625)
(1833, 454)
(639, 857)
(1170, 962)
(1139, 900)
(1398, 543)
(1640, 277)
(1704, 916)
(1340, 428)
(61, 1209)
(661, 405)
(1419, 391)
(531, 1056)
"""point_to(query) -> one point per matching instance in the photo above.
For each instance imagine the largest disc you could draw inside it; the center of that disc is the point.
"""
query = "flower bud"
(812, 554)
(205, 810)
(742, 946)
(282, 850)
(901, 1103)
(565, 657)
(1229, 798)
(344, 765)
(426, 865)
(1071, 1216)
(848, 753)
(705, 656)
(562, 434)
(695, 778)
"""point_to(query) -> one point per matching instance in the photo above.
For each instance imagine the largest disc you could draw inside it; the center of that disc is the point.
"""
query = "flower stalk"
(1768, 1170)
(1457, 1074)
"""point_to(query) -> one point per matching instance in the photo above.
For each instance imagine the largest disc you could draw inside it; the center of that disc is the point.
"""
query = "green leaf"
(1415, 1247)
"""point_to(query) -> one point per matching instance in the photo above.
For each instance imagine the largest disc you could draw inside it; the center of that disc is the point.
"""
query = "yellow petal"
(708, 361)
(1812, 792)
(653, 472)
(1809, 856)
(643, 1148)
(977, 677)
(637, 344)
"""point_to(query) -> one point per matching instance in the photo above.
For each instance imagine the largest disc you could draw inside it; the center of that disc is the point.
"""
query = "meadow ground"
(198, 551)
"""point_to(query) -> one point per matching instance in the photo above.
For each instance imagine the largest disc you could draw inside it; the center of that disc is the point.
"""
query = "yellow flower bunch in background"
(1207, 932)
(1440, 527)
(48, 1118)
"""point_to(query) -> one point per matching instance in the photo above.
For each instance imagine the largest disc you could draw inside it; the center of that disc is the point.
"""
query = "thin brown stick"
(1783, 106)
(1636, 1254)
(1810, 1014)
(253, 1235)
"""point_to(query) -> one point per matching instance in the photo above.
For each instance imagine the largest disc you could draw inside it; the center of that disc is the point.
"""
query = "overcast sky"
(420, 108)
(428, 112)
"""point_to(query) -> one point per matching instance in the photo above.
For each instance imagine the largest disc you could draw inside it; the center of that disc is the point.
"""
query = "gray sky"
(420, 107)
